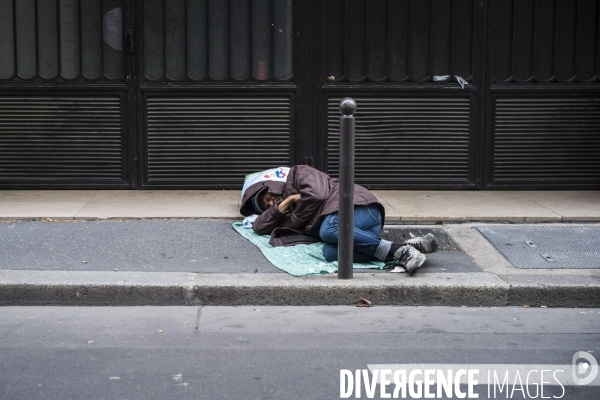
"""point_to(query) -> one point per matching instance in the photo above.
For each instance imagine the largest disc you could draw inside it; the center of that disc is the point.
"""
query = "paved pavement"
(195, 257)
(406, 206)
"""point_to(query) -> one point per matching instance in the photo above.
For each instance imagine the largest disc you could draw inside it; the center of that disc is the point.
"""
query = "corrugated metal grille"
(58, 139)
(549, 140)
(216, 141)
(406, 140)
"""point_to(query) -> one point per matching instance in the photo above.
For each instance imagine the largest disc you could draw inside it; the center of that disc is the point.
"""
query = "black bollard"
(346, 211)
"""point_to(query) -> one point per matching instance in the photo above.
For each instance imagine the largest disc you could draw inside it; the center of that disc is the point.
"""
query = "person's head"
(268, 199)
(263, 200)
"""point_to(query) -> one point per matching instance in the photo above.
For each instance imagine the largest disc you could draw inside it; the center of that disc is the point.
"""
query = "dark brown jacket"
(319, 197)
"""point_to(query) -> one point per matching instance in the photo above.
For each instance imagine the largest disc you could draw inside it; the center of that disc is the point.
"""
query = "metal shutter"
(406, 141)
(541, 141)
(61, 140)
(215, 141)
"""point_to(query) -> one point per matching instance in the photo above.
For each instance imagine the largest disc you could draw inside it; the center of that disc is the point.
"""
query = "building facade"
(451, 94)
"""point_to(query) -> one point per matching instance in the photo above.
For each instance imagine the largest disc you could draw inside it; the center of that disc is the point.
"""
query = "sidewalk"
(402, 207)
(47, 269)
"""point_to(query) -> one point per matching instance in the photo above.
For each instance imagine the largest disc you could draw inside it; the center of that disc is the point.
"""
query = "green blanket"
(299, 260)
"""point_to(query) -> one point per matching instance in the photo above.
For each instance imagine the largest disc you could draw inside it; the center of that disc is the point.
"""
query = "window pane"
(376, 40)
(585, 48)
(153, 39)
(7, 60)
(503, 20)
(398, 37)
(240, 39)
(441, 34)
(355, 40)
(25, 38)
(113, 38)
(48, 39)
(523, 40)
(197, 38)
(91, 38)
(334, 51)
(218, 39)
(175, 39)
(566, 21)
(543, 40)
(261, 39)
(462, 38)
(419, 12)
(282, 24)
(69, 39)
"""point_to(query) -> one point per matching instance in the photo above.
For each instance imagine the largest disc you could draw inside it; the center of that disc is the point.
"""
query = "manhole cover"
(399, 235)
(546, 246)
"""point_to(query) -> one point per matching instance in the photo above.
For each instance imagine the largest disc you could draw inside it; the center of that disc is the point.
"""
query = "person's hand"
(286, 222)
(285, 204)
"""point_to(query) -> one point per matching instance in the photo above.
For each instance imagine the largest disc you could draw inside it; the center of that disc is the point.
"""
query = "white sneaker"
(410, 258)
(425, 244)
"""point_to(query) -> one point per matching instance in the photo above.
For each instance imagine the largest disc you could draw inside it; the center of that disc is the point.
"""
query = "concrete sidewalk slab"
(10, 210)
(402, 207)
(47, 196)
(430, 206)
(585, 206)
(162, 204)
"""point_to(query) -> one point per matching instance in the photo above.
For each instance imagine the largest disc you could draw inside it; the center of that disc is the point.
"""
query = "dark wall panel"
(585, 47)
(544, 41)
(50, 41)
(542, 141)
(376, 40)
(334, 57)
(406, 140)
(61, 139)
(398, 41)
(355, 40)
(198, 41)
(523, 40)
(214, 142)
(502, 39)
(462, 39)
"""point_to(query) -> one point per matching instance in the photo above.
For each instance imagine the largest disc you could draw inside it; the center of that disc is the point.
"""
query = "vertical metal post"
(346, 211)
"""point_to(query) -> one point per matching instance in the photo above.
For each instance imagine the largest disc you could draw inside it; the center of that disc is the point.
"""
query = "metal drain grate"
(568, 247)
(399, 235)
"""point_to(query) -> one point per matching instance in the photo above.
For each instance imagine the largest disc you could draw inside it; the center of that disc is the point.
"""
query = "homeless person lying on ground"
(302, 207)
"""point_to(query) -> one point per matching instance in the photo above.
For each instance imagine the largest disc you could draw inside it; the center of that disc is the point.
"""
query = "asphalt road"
(269, 352)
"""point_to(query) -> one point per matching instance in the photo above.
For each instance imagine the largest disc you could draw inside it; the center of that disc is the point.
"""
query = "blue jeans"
(368, 245)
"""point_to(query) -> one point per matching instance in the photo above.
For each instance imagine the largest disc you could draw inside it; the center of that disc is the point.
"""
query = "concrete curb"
(145, 288)
(554, 291)
(383, 289)
(92, 288)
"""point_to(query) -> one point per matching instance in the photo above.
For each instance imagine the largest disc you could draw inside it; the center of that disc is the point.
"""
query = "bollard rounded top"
(347, 106)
